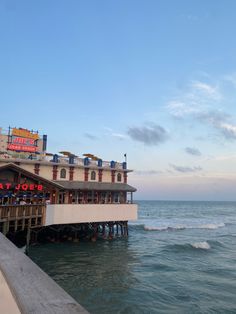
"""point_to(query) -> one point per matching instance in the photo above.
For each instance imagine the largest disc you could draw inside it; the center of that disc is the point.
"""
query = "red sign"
(23, 141)
(22, 148)
(22, 144)
(22, 187)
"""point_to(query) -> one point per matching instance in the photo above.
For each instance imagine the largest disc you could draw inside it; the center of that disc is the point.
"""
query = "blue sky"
(153, 79)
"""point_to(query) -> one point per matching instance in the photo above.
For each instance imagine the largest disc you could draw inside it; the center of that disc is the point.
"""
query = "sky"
(155, 79)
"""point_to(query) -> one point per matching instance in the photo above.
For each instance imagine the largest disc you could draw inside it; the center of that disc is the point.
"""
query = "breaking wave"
(201, 245)
(211, 226)
(182, 227)
(185, 247)
(163, 228)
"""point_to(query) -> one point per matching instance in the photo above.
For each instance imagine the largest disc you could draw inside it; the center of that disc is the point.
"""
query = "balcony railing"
(65, 161)
(18, 217)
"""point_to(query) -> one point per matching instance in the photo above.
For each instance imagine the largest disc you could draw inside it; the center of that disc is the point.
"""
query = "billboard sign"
(22, 140)
(22, 148)
(24, 133)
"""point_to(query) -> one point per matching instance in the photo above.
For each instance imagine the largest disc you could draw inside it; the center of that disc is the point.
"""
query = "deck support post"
(121, 229)
(117, 229)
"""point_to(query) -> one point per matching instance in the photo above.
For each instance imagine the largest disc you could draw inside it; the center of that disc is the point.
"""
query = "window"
(63, 173)
(118, 177)
(93, 175)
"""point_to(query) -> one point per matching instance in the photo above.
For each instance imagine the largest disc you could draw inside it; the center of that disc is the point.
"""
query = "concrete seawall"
(27, 288)
(7, 301)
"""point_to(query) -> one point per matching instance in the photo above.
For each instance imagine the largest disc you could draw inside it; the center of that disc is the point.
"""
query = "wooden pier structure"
(25, 225)
(14, 218)
(94, 202)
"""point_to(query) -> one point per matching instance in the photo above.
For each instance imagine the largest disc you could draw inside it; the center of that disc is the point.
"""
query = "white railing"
(61, 160)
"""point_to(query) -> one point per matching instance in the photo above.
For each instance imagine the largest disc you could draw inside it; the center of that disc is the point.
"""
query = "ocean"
(180, 257)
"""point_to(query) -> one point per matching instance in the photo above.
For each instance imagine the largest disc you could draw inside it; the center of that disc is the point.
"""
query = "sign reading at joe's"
(21, 187)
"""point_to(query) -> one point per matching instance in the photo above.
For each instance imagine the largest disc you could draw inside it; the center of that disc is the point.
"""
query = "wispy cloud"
(213, 117)
(202, 102)
(207, 90)
(119, 136)
(185, 169)
(107, 129)
(148, 135)
(221, 121)
(180, 109)
(110, 132)
(147, 172)
(90, 136)
(197, 97)
(193, 151)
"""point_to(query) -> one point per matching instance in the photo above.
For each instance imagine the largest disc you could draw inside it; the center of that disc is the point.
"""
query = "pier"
(29, 224)
(17, 222)
(14, 218)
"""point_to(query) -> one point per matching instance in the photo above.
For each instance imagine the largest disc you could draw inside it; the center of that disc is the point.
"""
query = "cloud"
(149, 135)
(111, 132)
(221, 122)
(108, 130)
(207, 90)
(119, 136)
(180, 109)
(228, 130)
(193, 151)
(147, 172)
(197, 97)
(202, 102)
(90, 136)
(185, 169)
(214, 117)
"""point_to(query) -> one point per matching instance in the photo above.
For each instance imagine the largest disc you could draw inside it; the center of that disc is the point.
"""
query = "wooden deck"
(21, 217)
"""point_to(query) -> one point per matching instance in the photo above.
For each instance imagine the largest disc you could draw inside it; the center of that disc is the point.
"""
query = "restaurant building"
(85, 195)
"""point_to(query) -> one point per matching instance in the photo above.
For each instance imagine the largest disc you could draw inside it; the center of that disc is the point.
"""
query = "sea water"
(180, 257)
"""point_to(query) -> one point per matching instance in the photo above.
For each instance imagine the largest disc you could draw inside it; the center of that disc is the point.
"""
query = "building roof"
(29, 174)
(97, 186)
(64, 163)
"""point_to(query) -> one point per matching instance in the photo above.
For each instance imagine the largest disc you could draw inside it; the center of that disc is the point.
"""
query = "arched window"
(93, 175)
(118, 177)
(63, 173)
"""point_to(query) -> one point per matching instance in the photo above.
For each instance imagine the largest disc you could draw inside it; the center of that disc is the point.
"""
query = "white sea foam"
(201, 245)
(154, 228)
(182, 226)
(211, 226)
(163, 228)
